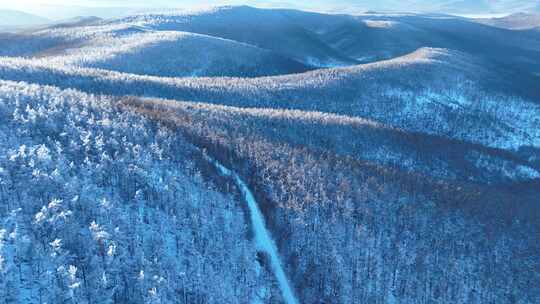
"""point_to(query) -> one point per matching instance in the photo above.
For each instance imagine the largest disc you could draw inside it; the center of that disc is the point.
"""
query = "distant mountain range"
(61, 12)
(440, 6)
(463, 7)
(15, 19)
(518, 21)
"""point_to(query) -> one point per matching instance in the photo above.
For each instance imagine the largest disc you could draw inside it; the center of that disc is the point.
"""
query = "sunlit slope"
(518, 21)
(356, 138)
(21, 44)
(432, 91)
(290, 33)
(330, 40)
(324, 204)
(95, 199)
(318, 40)
(387, 36)
(177, 54)
(57, 39)
(133, 49)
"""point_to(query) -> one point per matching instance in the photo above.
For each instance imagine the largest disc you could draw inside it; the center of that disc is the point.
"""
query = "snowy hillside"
(96, 201)
(336, 40)
(178, 54)
(246, 155)
(354, 225)
(518, 21)
(431, 91)
(161, 53)
(376, 143)
(285, 32)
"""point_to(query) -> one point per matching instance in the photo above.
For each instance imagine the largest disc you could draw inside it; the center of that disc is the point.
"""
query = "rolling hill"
(327, 205)
(56, 39)
(289, 33)
(439, 6)
(518, 21)
(77, 22)
(390, 36)
(18, 19)
(245, 155)
(431, 91)
(179, 54)
(323, 40)
(90, 43)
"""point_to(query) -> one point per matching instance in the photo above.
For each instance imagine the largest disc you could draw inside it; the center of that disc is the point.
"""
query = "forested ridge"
(331, 205)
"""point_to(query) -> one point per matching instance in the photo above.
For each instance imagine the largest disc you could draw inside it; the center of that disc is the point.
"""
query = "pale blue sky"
(327, 3)
(51, 9)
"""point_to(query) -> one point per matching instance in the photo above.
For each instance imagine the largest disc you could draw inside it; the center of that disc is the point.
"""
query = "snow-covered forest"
(361, 223)
(243, 155)
(102, 206)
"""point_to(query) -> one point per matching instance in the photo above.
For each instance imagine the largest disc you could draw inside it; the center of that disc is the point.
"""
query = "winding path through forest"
(263, 239)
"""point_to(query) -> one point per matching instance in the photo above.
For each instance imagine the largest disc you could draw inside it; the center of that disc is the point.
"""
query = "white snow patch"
(382, 24)
(263, 240)
(528, 172)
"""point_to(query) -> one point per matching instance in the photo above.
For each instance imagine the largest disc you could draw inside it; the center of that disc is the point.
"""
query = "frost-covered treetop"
(171, 44)
(179, 15)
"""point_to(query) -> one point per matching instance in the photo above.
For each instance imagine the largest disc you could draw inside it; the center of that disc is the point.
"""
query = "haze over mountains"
(66, 10)
(245, 155)
(518, 21)
(12, 19)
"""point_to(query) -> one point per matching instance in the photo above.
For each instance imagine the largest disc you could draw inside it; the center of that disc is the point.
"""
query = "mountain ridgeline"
(246, 155)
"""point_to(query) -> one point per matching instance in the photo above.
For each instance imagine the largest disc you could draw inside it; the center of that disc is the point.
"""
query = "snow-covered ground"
(176, 54)
(95, 200)
(263, 238)
(512, 119)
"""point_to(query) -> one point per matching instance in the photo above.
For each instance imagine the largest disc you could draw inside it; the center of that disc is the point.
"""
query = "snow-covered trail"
(263, 240)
